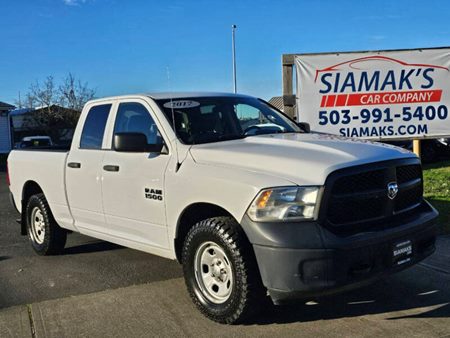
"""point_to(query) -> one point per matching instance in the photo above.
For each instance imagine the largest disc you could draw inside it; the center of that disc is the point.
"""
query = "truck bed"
(46, 168)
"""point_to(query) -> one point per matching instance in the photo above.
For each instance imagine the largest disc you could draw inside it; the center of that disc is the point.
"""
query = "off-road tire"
(54, 238)
(247, 290)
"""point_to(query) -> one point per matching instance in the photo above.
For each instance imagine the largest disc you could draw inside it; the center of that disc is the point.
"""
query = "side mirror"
(304, 126)
(135, 142)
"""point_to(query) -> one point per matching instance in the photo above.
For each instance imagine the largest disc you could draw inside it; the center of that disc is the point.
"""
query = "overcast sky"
(121, 47)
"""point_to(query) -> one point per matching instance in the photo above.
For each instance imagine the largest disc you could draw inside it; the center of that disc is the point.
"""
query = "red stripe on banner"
(415, 96)
(331, 100)
(355, 99)
(341, 99)
(324, 99)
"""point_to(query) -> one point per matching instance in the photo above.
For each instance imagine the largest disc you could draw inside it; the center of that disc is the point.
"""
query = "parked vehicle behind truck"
(431, 149)
(34, 141)
(246, 199)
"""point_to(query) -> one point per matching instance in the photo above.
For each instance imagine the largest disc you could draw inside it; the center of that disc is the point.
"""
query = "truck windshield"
(212, 119)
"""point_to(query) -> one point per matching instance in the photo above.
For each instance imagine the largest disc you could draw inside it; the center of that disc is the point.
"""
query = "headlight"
(284, 204)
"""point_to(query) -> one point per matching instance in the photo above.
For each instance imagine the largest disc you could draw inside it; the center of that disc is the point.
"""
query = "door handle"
(110, 167)
(75, 165)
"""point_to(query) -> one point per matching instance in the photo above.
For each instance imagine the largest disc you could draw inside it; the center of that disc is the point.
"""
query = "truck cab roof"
(172, 95)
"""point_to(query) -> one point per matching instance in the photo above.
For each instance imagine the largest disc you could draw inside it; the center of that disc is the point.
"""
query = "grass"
(437, 191)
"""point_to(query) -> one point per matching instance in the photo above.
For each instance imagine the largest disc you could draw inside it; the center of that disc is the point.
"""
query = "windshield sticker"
(181, 104)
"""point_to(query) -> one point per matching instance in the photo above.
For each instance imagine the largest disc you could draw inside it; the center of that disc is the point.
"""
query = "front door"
(133, 183)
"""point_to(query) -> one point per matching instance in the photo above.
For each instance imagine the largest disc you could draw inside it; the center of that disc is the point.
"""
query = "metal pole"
(417, 147)
(233, 29)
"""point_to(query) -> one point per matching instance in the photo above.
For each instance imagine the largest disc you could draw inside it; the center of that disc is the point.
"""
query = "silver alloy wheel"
(213, 272)
(37, 225)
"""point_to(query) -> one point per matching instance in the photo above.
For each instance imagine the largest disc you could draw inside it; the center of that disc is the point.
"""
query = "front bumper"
(302, 260)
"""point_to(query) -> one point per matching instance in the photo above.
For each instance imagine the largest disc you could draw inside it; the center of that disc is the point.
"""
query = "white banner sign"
(376, 95)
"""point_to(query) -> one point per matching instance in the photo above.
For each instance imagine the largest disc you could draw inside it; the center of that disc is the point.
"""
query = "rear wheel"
(220, 271)
(45, 235)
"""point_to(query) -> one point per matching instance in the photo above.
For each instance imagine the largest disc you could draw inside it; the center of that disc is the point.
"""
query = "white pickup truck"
(250, 202)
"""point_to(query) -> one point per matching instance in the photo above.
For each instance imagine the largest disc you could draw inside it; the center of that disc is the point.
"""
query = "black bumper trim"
(301, 264)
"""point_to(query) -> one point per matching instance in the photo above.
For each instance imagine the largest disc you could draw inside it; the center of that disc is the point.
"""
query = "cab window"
(133, 117)
(94, 127)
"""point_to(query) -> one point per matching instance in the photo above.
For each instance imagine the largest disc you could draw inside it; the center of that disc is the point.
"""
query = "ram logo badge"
(392, 190)
(153, 194)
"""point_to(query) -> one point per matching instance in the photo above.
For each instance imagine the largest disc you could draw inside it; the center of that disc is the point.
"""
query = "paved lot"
(99, 289)
(88, 265)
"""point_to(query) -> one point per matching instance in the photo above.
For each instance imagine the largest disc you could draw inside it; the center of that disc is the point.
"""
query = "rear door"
(83, 172)
(133, 183)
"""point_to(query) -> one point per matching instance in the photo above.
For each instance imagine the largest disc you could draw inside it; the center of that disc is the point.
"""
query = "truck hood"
(303, 159)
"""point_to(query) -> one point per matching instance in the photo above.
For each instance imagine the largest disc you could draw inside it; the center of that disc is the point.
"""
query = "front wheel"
(220, 271)
(45, 235)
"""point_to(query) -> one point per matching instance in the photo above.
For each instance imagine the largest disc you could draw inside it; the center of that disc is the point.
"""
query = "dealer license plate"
(402, 252)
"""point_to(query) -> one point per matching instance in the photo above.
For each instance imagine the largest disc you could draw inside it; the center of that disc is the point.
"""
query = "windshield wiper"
(229, 137)
(219, 138)
(292, 131)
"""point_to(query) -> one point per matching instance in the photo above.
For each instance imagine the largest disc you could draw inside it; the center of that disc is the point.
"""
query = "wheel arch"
(29, 189)
(192, 214)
